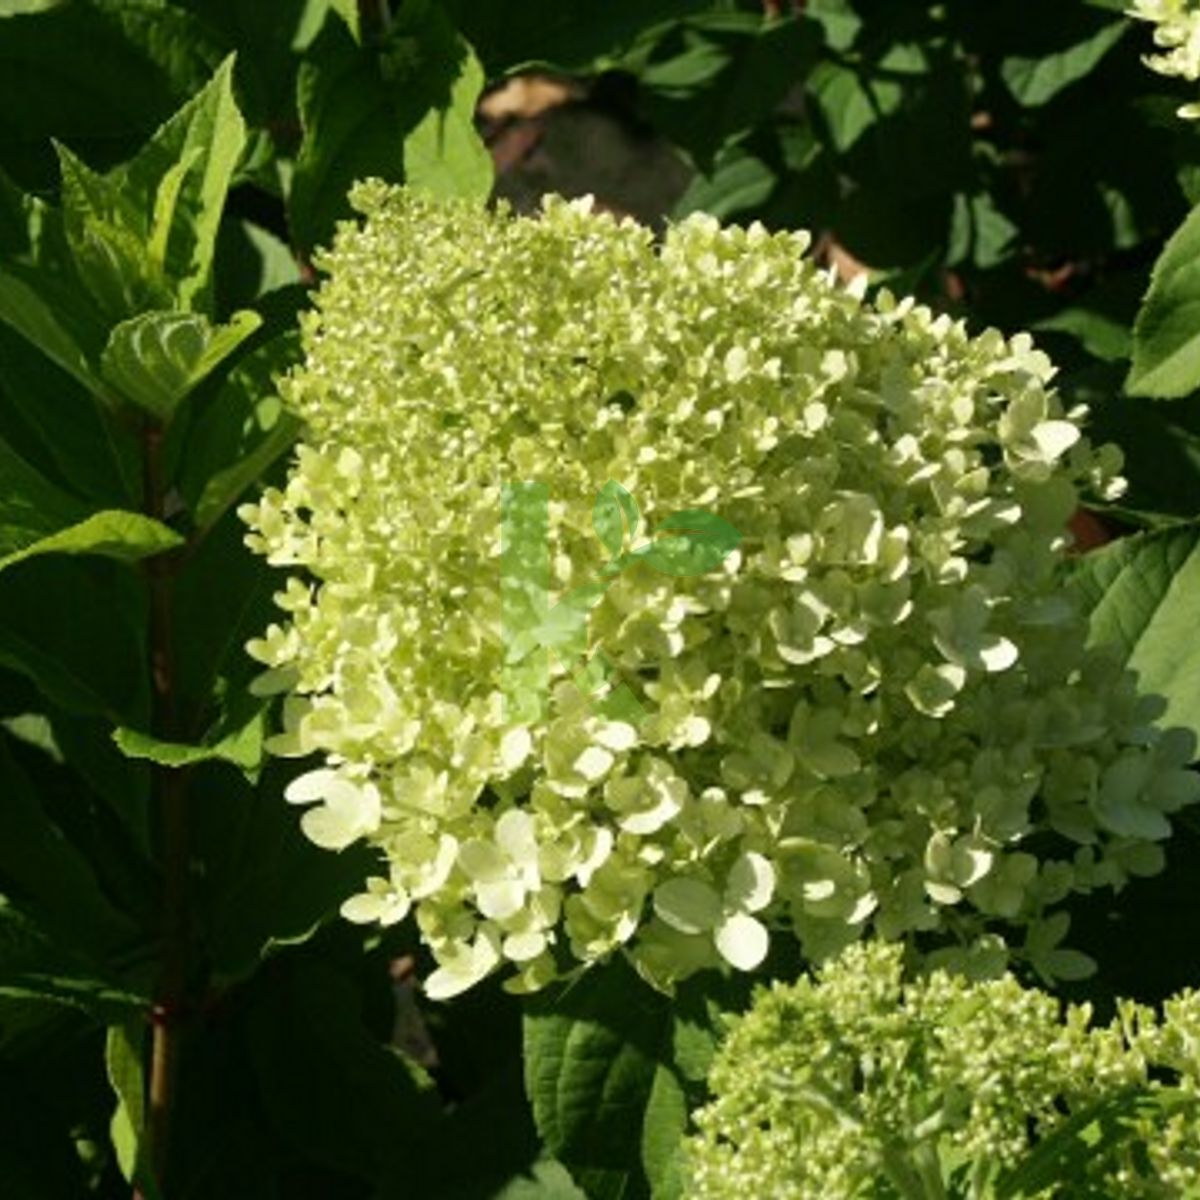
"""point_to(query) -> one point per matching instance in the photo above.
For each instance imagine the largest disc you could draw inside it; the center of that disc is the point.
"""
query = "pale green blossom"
(859, 1084)
(858, 721)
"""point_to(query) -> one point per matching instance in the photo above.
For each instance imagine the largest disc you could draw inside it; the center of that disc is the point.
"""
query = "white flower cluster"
(860, 718)
(861, 1084)
(1177, 33)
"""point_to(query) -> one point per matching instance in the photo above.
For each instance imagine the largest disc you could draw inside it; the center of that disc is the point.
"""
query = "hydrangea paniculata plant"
(858, 1084)
(859, 719)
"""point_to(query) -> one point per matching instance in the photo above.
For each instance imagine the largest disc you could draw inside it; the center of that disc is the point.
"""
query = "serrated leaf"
(108, 233)
(690, 542)
(1142, 595)
(1034, 81)
(1166, 334)
(125, 536)
(598, 1071)
(182, 176)
(156, 359)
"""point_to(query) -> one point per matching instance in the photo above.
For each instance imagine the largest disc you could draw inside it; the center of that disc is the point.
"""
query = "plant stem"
(171, 814)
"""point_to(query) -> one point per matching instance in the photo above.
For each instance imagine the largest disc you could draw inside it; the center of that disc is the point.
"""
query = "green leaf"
(98, 75)
(109, 235)
(38, 518)
(237, 739)
(547, 1181)
(348, 11)
(123, 1051)
(696, 542)
(61, 431)
(238, 433)
(250, 262)
(1166, 335)
(144, 234)
(20, 8)
(38, 973)
(739, 181)
(124, 536)
(361, 106)
(223, 488)
(606, 1096)
(28, 311)
(41, 296)
(720, 74)
(851, 100)
(980, 232)
(182, 176)
(156, 359)
(1102, 336)
(1035, 80)
(444, 154)
(1142, 594)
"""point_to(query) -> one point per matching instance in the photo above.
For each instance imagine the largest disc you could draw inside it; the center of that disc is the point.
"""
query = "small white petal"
(743, 941)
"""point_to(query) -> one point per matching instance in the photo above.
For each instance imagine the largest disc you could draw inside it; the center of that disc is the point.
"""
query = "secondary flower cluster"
(859, 1084)
(1177, 32)
(859, 718)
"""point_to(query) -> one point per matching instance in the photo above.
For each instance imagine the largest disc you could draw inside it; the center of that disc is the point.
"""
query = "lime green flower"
(858, 1084)
(857, 719)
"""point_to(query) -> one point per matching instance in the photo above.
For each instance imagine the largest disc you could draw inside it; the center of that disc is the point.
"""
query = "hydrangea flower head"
(856, 719)
(857, 1083)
